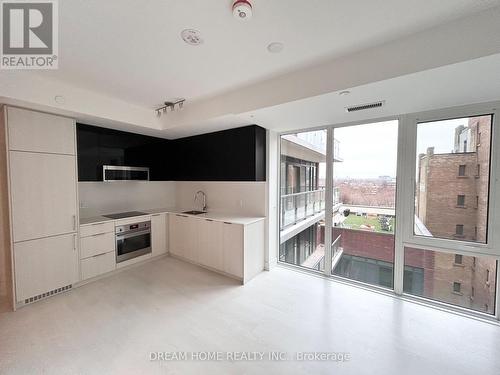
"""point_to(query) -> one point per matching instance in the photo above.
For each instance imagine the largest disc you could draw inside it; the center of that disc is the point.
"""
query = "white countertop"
(217, 216)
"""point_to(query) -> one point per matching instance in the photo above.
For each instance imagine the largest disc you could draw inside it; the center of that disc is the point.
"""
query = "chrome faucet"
(204, 207)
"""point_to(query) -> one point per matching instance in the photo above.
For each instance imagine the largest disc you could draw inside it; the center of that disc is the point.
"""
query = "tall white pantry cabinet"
(43, 202)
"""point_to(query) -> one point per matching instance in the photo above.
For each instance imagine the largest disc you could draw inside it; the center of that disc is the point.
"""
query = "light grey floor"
(111, 326)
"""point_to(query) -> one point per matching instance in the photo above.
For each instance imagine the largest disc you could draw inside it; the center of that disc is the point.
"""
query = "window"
(440, 282)
(365, 181)
(458, 259)
(444, 148)
(302, 199)
(461, 170)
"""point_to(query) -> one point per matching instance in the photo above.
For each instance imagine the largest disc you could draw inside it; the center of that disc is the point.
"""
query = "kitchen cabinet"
(40, 132)
(45, 264)
(210, 249)
(98, 265)
(232, 244)
(44, 206)
(43, 193)
(183, 233)
(231, 248)
(97, 244)
(99, 146)
(97, 249)
(230, 155)
(159, 233)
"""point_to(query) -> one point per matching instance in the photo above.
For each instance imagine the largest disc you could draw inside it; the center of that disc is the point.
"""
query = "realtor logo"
(29, 34)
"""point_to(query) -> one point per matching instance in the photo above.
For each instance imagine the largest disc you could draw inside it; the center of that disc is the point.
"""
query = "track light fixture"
(170, 105)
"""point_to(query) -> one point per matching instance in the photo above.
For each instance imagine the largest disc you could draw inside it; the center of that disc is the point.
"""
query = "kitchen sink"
(194, 212)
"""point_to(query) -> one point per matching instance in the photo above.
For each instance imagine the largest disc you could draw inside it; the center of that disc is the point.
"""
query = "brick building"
(452, 203)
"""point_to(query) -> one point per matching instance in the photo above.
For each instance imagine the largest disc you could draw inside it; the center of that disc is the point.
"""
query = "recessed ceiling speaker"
(242, 9)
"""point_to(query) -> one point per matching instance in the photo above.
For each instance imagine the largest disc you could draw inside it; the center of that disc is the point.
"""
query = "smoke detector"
(191, 37)
(242, 9)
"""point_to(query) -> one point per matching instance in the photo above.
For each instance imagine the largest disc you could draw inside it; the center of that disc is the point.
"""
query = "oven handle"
(134, 234)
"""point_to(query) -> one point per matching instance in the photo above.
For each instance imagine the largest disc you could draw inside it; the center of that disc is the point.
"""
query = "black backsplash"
(231, 155)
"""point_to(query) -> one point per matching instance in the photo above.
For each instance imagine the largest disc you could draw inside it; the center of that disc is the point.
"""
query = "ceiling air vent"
(362, 107)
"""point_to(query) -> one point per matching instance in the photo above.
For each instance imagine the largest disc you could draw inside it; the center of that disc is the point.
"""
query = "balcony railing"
(299, 206)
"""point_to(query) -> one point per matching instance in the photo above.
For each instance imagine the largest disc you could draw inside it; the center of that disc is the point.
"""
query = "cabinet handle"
(181, 215)
(227, 223)
(99, 255)
(74, 222)
(98, 234)
(156, 215)
(74, 242)
(208, 219)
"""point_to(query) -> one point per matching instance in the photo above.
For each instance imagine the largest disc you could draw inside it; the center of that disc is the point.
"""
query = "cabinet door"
(210, 251)
(40, 132)
(190, 233)
(233, 249)
(98, 264)
(45, 264)
(43, 191)
(159, 234)
(175, 235)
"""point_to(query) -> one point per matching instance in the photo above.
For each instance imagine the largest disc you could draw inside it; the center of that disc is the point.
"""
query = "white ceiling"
(469, 82)
(131, 50)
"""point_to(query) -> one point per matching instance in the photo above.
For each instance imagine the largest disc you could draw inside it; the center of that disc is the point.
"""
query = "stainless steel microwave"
(122, 173)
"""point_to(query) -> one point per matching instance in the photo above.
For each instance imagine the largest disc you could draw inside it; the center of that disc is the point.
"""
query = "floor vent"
(362, 107)
(47, 294)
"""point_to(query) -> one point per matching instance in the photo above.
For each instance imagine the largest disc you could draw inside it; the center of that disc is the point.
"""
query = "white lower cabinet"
(97, 249)
(159, 234)
(232, 244)
(210, 250)
(96, 244)
(183, 233)
(45, 264)
(98, 265)
(234, 249)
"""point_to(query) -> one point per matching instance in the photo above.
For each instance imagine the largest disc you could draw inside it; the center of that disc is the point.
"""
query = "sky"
(440, 135)
(370, 150)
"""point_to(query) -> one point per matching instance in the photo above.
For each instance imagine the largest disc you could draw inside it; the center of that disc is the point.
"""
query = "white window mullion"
(404, 193)
(329, 202)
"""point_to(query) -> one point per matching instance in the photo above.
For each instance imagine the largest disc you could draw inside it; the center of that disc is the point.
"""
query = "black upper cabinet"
(230, 155)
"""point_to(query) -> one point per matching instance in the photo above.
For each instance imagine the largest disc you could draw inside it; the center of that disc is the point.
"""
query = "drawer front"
(92, 229)
(97, 244)
(97, 265)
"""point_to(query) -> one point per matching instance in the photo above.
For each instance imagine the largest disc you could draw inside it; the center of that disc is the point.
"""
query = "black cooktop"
(122, 215)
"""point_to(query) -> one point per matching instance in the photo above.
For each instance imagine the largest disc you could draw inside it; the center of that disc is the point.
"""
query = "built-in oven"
(132, 240)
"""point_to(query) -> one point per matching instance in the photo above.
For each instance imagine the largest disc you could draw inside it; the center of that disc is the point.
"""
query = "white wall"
(98, 198)
(246, 198)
